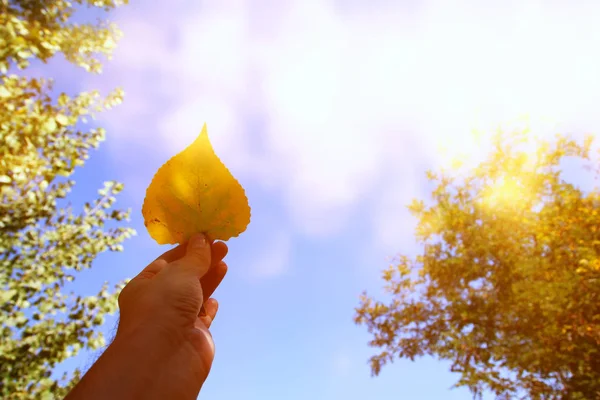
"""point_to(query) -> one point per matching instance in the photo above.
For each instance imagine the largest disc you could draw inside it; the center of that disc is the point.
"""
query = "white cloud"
(339, 91)
(393, 224)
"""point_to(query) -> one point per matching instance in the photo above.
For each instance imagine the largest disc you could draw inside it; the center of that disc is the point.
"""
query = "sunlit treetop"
(42, 28)
(508, 285)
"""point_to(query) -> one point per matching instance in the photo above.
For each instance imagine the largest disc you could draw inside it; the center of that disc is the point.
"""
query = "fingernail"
(198, 241)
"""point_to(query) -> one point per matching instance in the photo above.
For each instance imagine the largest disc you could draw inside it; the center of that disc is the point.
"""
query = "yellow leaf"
(457, 163)
(62, 119)
(195, 192)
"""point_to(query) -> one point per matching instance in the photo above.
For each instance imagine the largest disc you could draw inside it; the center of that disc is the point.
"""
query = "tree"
(43, 240)
(507, 286)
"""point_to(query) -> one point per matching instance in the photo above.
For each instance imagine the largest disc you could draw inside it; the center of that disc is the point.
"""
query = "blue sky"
(329, 113)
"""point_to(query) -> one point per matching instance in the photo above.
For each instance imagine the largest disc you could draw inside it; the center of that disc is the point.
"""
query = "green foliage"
(508, 285)
(42, 243)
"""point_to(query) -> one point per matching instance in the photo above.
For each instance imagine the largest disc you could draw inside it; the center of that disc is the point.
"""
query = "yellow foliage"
(195, 192)
(504, 191)
(506, 284)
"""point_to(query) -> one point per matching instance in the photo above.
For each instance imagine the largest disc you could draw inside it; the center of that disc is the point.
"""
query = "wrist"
(153, 335)
(143, 364)
(161, 354)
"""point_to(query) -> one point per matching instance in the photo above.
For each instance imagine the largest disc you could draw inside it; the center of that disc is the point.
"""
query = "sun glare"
(506, 191)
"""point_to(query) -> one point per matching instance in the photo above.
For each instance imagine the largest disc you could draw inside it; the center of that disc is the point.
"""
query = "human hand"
(162, 348)
(168, 295)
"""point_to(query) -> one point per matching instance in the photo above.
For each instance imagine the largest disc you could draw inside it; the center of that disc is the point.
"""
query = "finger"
(202, 340)
(212, 279)
(174, 254)
(152, 269)
(197, 256)
(219, 251)
(211, 306)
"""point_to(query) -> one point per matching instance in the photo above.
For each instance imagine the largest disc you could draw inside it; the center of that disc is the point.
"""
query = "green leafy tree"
(507, 287)
(43, 240)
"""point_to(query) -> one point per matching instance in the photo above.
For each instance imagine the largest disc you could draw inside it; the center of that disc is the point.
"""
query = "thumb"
(197, 255)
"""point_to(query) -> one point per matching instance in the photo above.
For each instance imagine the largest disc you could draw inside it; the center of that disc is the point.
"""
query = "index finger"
(174, 254)
(218, 249)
